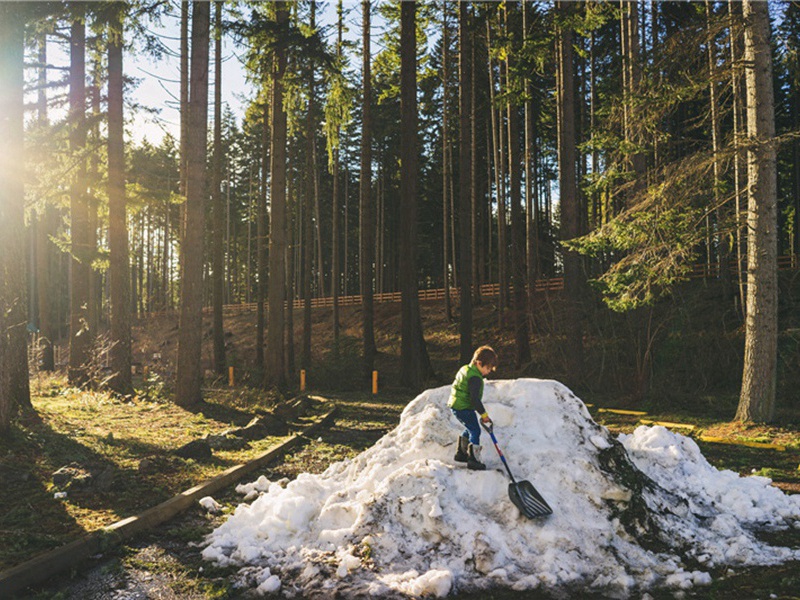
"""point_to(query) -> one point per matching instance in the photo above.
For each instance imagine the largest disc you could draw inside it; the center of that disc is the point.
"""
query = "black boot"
(474, 460)
(462, 452)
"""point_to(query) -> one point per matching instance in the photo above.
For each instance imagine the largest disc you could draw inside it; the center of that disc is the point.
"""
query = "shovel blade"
(529, 501)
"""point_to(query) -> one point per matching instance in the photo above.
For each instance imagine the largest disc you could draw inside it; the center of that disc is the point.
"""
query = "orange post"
(302, 380)
(230, 377)
(374, 382)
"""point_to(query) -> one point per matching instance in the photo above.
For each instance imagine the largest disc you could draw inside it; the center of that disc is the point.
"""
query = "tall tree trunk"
(738, 169)
(189, 372)
(307, 247)
(311, 199)
(366, 203)
(184, 120)
(757, 398)
(14, 385)
(465, 75)
(478, 205)
(275, 367)
(117, 215)
(415, 364)
(531, 202)
(570, 214)
(522, 345)
(93, 202)
(335, 217)
(262, 227)
(80, 346)
(723, 253)
(45, 230)
(448, 311)
(497, 144)
(218, 204)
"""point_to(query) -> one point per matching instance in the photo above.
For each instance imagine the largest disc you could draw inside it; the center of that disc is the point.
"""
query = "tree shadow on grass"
(35, 521)
(221, 413)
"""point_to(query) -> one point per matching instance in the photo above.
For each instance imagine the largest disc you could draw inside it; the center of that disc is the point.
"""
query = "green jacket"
(464, 396)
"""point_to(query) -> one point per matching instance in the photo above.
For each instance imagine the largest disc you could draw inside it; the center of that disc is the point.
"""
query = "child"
(465, 402)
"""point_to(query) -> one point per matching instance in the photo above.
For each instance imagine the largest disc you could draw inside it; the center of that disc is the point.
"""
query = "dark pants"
(470, 420)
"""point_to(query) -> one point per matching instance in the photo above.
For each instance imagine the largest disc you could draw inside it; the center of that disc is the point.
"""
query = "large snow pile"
(645, 510)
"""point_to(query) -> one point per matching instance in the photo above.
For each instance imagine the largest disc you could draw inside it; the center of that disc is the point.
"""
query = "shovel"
(522, 493)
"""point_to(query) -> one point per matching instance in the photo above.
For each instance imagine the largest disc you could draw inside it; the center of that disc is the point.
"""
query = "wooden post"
(302, 380)
(146, 371)
(374, 382)
(230, 377)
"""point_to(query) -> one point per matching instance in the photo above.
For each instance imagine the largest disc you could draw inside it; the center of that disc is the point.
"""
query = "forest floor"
(109, 438)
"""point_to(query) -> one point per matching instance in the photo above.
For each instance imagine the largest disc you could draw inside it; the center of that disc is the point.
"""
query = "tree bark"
(275, 367)
(14, 386)
(570, 213)
(757, 397)
(218, 205)
(415, 364)
(117, 216)
(465, 75)
(262, 227)
(522, 355)
(367, 225)
(46, 227)
(80, 345)
(189, 372)
(445, 167)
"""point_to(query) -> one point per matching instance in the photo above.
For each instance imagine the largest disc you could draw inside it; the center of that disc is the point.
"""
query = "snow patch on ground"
(403, 519)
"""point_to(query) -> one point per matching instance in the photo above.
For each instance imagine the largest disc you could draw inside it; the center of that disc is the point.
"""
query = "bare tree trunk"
(465, 75)
(757, 398)
(477, 200)
(531, 202)
(44, 248)
(117, 216)
(184, 118)
(570, 217)
(521, 333)
(415, 364)
(307, 262)
(275, 368)
(189, 372)
(80, 334)
(262, 227)
(738, 170)
(217, 202)
(14, 385)
(93, 202)
(448, 311)
(367, 226)
(499, 187)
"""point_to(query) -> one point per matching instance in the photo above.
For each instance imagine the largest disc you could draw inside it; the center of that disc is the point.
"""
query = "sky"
(159, 85)
(403, 519)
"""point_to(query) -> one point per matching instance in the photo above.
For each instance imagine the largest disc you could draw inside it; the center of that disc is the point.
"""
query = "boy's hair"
(486, 355)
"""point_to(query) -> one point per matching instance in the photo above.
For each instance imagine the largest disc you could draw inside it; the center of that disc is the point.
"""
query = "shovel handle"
(490, 430)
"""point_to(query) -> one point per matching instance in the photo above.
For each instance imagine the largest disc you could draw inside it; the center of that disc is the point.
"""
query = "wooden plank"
(667, 424)
(762, 445)
(620, 411)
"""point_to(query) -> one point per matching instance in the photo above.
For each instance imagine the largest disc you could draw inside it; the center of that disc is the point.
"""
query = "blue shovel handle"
(490, 430)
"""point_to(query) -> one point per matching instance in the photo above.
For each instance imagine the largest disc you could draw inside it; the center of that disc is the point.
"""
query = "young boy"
(465, 402)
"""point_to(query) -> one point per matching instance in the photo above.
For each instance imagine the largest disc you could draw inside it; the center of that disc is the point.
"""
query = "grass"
(107, 438)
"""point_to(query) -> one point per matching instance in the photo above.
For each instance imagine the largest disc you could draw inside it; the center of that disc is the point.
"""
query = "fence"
(554, 284)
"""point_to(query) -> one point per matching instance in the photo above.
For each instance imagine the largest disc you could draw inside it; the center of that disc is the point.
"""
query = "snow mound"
(402, 519)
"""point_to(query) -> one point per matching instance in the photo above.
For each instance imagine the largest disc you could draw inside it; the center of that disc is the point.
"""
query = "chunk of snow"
(210, 504)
